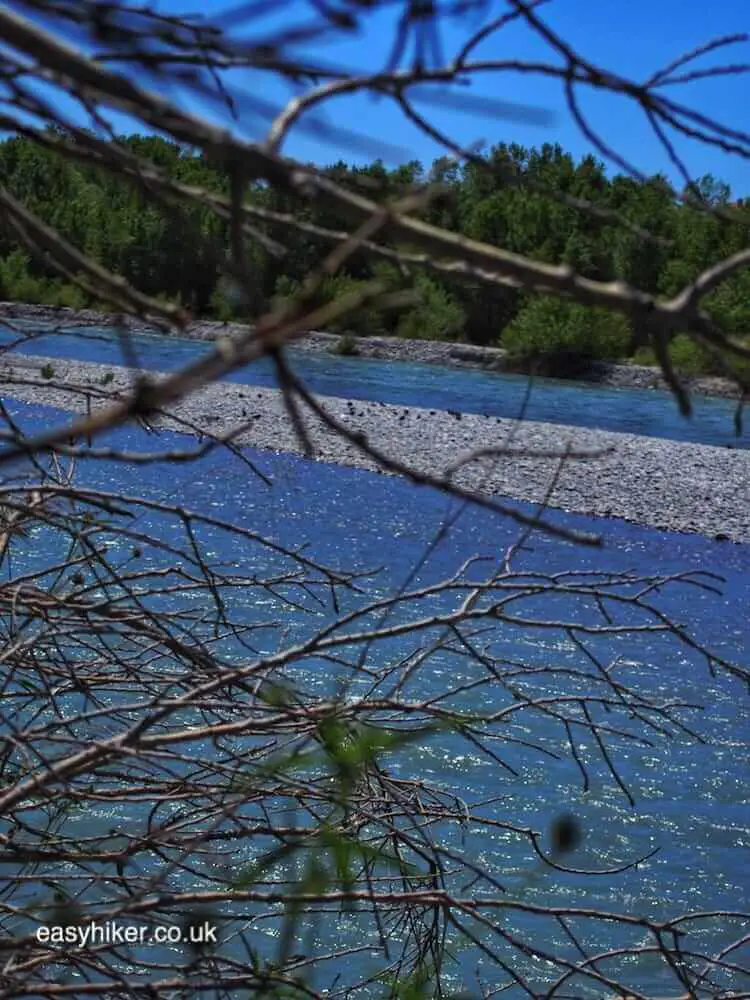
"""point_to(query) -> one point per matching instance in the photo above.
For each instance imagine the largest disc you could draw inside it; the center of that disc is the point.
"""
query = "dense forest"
(525, 200)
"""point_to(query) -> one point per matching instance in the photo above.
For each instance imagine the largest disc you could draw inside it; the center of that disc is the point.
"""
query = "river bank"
(432, 352)
(665, 484)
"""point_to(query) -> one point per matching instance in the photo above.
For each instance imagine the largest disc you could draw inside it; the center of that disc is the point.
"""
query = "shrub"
(559, 337)
(71, 296)
(346, 345)
(101, 306)
(729, 305)
(18, 284)
(436, 316)
(47, 371)
(168, 300)
(366, 321)
(689, 359)
(645, 356)
(221, 305)
(107, 378)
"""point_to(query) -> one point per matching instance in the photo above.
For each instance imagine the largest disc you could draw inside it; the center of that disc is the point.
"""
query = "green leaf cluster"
(520, 199)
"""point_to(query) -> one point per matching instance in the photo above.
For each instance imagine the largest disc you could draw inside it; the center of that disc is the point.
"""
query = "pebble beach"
(670, 485)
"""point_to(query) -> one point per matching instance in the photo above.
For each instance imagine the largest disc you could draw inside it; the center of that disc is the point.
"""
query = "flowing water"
(690, 798)
(633, 411)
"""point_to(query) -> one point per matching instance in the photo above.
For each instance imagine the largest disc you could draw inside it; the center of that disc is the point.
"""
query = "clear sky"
(634, 38)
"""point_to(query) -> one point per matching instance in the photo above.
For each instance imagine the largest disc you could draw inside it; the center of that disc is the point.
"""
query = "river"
(690, 798)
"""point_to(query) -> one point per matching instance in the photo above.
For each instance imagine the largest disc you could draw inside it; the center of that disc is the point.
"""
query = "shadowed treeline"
(525, 200)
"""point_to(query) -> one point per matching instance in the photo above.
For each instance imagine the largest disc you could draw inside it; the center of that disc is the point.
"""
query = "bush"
(16, 282)
(366, 321)
(690, 359)
(100, 306)
(558, 337)
(168, 300)
(220, 304)
(47, 371)
(645, 356)
(436, 316)
(71, 296)
(729, 305)
(346, 345)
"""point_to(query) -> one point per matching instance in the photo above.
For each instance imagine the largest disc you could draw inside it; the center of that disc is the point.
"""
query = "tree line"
(537, 202)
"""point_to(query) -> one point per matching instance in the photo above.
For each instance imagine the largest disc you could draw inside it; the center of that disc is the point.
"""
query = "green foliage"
(179, 256)
(220, 305)
(729, 305)
(47, 371)
(559, 337)
(71, 296)
(18, 283)
(420, 985)
(435, 317)
(687, 357)
(365, 321)
(346, 345)
(690, 359)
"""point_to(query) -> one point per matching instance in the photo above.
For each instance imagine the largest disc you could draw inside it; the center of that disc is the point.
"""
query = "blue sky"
(634, 39)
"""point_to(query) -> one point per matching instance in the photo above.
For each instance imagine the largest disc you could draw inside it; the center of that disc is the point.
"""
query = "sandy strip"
(666, 484)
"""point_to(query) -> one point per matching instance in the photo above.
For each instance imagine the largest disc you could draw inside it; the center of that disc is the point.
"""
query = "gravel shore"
(431, 352)
(666, 484)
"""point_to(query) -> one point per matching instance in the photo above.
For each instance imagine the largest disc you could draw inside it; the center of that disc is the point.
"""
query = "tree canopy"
(528, 201)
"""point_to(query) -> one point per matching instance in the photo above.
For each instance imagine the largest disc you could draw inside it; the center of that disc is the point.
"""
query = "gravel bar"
(670, 485)
(424, 351)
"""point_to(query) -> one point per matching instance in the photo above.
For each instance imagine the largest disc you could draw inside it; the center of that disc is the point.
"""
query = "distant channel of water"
(649, 412)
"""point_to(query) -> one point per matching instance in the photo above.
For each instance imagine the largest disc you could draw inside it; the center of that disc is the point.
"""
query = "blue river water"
(690, 798)
(652, 413)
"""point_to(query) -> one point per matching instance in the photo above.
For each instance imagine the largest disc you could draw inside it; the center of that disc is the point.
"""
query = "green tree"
(559, 337)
